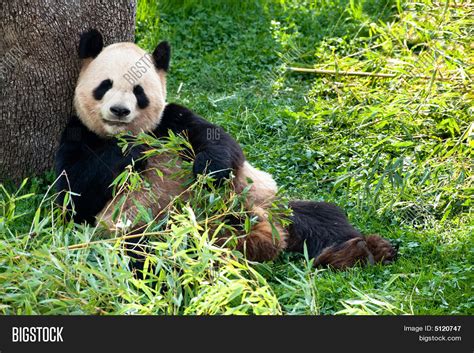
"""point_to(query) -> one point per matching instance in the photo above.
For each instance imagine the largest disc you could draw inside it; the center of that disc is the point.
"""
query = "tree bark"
(39, 66)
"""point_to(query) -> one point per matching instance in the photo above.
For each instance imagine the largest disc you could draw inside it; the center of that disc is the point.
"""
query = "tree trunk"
(38, 71)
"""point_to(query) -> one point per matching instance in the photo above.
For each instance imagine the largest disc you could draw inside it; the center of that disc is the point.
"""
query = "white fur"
(263, 189)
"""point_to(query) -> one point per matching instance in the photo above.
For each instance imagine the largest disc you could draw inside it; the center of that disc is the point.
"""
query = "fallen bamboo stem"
(108, 240)
(356, 73)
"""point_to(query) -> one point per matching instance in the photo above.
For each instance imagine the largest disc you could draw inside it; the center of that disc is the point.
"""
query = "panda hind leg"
(330, 238)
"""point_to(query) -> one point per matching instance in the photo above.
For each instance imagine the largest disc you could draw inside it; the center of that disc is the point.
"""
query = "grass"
(396, 153)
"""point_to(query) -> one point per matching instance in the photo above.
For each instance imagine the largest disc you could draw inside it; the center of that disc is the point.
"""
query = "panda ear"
(162, 55)
(91, 44)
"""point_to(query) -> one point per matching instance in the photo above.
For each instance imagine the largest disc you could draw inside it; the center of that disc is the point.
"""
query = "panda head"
(120, 87)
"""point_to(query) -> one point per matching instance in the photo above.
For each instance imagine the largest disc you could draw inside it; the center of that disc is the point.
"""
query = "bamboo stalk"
(353, 73)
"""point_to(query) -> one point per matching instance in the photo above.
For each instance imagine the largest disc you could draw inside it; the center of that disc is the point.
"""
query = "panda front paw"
(219, 167)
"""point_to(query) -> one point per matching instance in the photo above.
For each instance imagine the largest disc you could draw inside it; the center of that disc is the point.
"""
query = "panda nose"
(119, 111)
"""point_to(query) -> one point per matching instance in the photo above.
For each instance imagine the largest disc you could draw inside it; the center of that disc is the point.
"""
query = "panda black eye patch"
(142, 99)
(101, 89)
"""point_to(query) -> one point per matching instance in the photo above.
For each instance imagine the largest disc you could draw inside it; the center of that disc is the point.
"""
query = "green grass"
(396, 153)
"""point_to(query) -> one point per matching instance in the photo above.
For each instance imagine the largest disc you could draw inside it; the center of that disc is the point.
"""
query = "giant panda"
(108, 100)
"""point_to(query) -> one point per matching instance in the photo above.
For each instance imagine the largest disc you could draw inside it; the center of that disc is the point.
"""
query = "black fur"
(90, 44)
(102, 89)
(215, 150)
(142, 99)
(320, 224)
(92, 162)
(162, 55)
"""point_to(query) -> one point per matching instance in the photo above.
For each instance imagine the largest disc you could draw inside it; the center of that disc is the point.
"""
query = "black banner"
(265, 334)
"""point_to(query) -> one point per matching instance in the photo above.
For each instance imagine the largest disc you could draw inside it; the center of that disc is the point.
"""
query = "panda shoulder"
(177, 114)
(173, 111)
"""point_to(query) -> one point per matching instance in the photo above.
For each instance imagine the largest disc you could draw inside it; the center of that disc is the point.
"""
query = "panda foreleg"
(216, 152)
